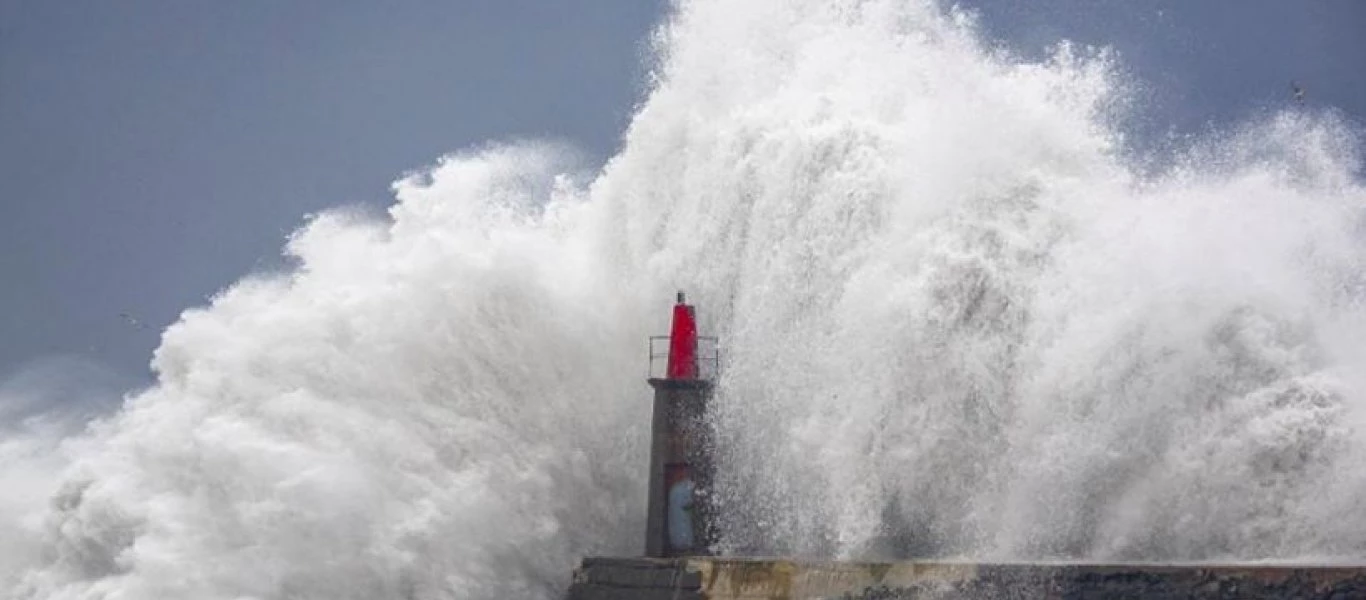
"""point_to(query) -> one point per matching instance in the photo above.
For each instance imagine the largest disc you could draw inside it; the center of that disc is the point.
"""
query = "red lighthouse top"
(683, 342)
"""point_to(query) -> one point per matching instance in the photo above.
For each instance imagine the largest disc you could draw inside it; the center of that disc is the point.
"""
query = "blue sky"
(154, 151)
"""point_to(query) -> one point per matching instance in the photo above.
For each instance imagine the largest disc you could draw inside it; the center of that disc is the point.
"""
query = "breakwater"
(777, 579)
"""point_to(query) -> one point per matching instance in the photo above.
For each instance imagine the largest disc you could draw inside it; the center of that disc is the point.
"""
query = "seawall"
(778, 579)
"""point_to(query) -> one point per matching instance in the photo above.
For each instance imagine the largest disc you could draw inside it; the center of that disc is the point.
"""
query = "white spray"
(956, 322)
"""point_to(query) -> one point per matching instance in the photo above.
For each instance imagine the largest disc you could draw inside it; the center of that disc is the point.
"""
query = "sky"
(152, 152)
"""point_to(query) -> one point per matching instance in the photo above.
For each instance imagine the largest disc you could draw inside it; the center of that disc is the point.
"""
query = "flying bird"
(132, 321)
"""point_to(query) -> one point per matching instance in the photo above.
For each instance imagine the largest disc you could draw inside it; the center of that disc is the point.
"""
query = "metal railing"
(708, 357)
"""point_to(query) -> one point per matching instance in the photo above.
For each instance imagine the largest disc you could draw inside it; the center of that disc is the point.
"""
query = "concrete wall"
(756, 579)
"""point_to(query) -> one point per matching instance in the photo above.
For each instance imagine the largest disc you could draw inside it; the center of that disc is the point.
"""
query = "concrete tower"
(680, 517)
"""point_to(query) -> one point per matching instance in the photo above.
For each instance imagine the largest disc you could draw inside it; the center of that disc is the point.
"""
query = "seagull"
(133, 321)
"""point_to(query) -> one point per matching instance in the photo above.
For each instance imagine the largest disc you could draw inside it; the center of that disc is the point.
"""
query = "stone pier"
(714, 578)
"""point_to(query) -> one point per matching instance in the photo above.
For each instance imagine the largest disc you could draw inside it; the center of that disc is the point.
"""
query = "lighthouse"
(682, 529)
(679, 522)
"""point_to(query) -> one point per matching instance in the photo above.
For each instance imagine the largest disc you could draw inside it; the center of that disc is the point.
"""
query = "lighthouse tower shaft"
(680, 519)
